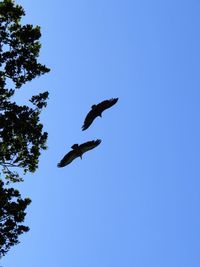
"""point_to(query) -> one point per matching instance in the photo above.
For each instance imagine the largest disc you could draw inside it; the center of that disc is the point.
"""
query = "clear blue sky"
(133, 201)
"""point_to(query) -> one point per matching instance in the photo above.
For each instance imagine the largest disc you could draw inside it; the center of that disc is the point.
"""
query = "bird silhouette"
(78, 151)
(96, 111)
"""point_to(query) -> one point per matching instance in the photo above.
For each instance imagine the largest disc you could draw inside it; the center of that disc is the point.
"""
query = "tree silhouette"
(12, 214)
(21, 133)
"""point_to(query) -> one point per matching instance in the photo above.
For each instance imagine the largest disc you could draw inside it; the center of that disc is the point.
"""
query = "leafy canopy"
(12, 214)
(21, 133)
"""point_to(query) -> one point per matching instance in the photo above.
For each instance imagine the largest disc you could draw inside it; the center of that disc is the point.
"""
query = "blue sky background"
(134, 200)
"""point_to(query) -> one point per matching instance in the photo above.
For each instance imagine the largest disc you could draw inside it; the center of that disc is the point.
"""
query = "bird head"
(93, 106)
(74, 146)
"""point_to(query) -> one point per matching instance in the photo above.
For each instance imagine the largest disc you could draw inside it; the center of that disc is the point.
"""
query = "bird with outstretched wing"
(96, 110)
(78, 151)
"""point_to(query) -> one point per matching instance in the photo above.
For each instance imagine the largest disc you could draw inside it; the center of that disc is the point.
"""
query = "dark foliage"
(19, 46)
(21, 133)
(12, 214)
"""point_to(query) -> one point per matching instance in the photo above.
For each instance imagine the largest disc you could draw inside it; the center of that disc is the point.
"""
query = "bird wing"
(107, 104)
(89, 119)
(89, 145)
(68, 158)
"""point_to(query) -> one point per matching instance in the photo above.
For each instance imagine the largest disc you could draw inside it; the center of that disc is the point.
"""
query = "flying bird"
(78, 151)
(96, 111)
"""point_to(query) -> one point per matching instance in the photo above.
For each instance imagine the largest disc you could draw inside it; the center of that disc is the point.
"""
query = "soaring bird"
(78, 151)
(96, 110)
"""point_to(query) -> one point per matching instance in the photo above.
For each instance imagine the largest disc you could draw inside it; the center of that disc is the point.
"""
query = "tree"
(12, 214)
(21, 133)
